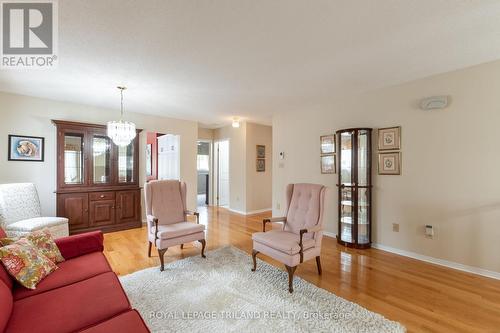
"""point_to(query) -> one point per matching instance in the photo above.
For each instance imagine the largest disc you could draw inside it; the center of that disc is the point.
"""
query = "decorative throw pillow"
(26, 263)
(42, 239)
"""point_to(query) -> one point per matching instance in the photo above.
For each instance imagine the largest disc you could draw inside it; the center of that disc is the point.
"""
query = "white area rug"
(221, 294)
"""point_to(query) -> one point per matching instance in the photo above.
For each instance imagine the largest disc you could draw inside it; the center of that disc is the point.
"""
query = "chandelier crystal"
(120, 131)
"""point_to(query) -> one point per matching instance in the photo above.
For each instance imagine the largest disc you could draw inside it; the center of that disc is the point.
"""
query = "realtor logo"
(29, 34)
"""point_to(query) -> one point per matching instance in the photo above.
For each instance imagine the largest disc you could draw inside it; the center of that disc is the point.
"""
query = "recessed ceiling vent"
(434, 102)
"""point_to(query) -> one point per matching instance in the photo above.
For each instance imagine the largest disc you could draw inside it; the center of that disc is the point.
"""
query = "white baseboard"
(432, 260)
(252, 212)
(441, 262)
(329, 234)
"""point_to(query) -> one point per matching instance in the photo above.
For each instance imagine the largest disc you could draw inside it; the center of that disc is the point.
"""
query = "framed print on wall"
(327, 144)
(261, 165)
(389, 138)
(389, 163)
(328, 164)
(26, 148)
(261, 151)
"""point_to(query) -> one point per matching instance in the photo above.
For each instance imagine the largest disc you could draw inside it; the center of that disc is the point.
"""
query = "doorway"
(203, 164)
(169, 157)
(221, 160)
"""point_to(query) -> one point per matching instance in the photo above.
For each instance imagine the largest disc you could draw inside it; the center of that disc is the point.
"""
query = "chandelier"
(121, 132)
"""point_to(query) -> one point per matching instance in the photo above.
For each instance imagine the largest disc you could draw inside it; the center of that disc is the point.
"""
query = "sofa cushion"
(283, 241)
(26, 263)
(78, 245)
(4, 275)
(43, 241)
(36, 223)
(178, 229)
(128, 322)
(70, 271)
(70, 308)
(5, 305)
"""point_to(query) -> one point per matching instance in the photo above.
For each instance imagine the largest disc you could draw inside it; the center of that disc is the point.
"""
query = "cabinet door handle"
(102, 196)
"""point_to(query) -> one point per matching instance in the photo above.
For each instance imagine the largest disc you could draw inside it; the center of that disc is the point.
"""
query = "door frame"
(216, 172)
(211, 165)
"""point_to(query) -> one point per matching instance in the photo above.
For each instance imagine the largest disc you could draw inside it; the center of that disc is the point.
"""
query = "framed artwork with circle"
(389, 138)
(26, 148)
(389, 163)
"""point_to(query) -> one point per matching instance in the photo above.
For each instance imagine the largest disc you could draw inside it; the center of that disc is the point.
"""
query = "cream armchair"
(301, 235)
(20, 212)
(167, 217)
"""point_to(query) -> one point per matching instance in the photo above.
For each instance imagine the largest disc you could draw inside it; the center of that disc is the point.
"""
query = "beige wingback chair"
(301, 235)
(167, 217)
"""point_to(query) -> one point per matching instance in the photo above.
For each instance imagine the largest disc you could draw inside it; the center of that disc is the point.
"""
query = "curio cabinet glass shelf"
(354, 187)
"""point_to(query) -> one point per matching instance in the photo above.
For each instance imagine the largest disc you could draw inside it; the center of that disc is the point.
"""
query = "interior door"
(169, 157)
(223, 172)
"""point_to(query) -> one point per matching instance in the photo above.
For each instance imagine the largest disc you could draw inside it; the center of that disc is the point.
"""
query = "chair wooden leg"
(149, 249)
(182, 246)
(318, 263)
(160, 254)
(254, 257)
(203, 243)
(291, 271)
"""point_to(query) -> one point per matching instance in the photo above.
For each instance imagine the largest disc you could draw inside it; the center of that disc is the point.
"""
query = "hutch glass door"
(101, 159)
(355, 187)
(73, 159)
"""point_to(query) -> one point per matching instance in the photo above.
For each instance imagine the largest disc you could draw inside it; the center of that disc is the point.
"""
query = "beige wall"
(237, 166)
(205, 133)
(24, 115)
(259, 184)
(451, 163)
(249, 191)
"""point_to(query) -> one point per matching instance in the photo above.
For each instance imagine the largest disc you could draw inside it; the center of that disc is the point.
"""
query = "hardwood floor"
(423, 297)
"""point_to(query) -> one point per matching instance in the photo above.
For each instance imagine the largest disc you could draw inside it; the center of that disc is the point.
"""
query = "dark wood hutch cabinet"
(355, 187)
(97, 181)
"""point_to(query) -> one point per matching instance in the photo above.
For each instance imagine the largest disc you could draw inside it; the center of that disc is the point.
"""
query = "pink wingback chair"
(301, 235)
(167, 217)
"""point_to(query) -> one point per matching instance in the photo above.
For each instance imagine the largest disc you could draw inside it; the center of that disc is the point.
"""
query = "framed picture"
(327, 144)
(149, 160)
(389, 138)
(261, 165)
(328, 164)
(26, 148)
(261, 151)
(389, 163)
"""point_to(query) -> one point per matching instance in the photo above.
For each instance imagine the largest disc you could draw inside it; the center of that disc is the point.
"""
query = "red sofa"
(83, 295)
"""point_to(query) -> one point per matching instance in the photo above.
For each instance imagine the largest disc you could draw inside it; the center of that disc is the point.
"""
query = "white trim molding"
(440, 262)
(250, 212)
(329, 234)
(432, 260)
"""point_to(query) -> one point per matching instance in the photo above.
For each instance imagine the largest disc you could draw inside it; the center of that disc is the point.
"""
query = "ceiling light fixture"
(121, 132)
(236, 123)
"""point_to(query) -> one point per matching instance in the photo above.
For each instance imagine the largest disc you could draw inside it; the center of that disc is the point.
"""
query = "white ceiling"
(210, 60)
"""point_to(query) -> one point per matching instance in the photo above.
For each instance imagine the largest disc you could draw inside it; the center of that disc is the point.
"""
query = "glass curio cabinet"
(355, 187)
